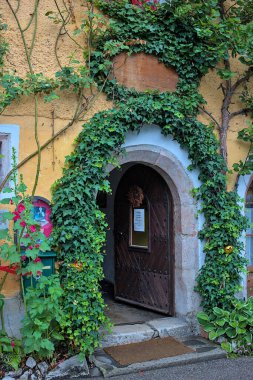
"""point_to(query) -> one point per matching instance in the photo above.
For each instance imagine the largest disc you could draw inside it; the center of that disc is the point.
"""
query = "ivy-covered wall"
(79, 233)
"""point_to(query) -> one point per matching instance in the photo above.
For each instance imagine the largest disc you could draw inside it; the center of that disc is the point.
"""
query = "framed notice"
(139, 220)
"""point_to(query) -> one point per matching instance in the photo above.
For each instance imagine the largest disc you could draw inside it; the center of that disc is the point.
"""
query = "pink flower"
(12, 344)
(11, 202)
(23, 257)
(37, 245)
(21, 207)
(16, 217)
(39, 273)
(30, 247)
(137, 2)
(37, 260)
(23, 223)
(33, 228)
(26, 236)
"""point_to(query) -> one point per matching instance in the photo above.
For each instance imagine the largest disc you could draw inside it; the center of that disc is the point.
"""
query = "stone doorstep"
(204, 351)
(133, 333)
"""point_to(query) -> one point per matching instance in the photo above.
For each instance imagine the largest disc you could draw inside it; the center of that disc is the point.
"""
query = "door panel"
(144, 275)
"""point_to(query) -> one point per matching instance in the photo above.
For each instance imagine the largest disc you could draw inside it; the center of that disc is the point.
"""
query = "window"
(249, 232)
(5, 155)
(9, 138)
(139, 230)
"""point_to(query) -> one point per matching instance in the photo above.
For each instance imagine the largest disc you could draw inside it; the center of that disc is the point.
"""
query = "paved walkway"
(222, 369)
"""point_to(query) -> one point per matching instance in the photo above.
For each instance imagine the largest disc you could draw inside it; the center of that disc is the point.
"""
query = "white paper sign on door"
(139, 220)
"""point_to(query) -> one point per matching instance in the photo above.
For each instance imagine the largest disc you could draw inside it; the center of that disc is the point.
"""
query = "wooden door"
(144, 263)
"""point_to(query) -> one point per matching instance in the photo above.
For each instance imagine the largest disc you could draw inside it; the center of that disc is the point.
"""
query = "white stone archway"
(171, 162)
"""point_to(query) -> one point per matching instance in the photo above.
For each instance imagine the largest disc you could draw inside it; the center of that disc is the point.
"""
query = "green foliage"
(79, 227)
(190, 37)
(67, 78)
(3, 44)
(173, 40)
(235, 327)
(11, 352)
(42, 322)
(246, 135)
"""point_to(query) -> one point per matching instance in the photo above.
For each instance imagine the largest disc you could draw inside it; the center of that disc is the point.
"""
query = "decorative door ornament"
(135, 196)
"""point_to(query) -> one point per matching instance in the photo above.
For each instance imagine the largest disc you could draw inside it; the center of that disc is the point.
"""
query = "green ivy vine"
(80, 227)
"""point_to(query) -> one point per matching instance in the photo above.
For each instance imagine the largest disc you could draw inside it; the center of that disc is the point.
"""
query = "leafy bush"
(41, 325)
(235, 328)
(10, 351)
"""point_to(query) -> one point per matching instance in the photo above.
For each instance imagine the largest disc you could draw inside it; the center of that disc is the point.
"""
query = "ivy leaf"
(51, 97)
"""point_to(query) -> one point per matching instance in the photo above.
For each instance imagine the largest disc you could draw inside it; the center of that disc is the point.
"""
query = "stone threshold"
(139, 332)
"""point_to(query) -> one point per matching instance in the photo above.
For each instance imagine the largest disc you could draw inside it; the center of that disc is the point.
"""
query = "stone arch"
(188, 249)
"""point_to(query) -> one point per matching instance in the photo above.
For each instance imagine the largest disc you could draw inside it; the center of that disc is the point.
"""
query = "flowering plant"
(142, 3)
(10, 351)
(24, 247)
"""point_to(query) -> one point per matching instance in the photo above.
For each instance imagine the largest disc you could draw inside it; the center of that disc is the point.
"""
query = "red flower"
(26, 236)
(137, 2)
(39, 273)
(30, 247)
(33, 228)
(37, 245)
(37, 260)
(21, 207)
(23, 223)
(23, 257)
(12, 344)
(16, 217)
(11, 202)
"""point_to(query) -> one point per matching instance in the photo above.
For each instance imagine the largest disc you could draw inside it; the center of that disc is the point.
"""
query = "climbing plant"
(72, 77)
(168, 33)
(80, 226)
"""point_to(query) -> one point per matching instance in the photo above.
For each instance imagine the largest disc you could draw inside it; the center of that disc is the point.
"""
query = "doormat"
(149, 350)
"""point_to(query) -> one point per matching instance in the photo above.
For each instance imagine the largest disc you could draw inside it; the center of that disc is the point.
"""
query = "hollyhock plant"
(21, 208)
(151, 4)
(17, 216)
(33, 228)
(23, 223)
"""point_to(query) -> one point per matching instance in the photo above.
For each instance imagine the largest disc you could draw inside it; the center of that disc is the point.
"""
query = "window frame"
(9, 136)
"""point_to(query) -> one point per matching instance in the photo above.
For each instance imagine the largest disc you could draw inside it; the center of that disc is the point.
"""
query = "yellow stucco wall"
(54, 116)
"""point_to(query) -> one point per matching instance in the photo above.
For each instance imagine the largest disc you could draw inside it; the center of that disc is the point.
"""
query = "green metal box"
(48, 261)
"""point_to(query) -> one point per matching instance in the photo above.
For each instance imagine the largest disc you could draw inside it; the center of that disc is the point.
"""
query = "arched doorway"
(173, 168)
(144, 257)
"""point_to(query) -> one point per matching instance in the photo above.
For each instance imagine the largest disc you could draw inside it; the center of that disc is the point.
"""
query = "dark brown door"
(144, 264)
